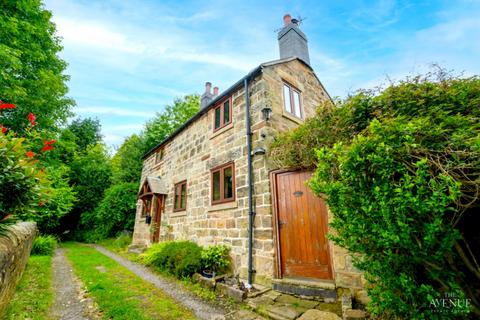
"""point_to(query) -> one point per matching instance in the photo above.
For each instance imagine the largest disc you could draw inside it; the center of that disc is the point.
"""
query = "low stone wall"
(14, 252)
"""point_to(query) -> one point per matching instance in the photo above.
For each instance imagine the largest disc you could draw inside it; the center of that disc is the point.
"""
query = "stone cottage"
(211, 182)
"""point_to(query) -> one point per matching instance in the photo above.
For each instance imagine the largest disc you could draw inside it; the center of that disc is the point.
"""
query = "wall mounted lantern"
(267, 113)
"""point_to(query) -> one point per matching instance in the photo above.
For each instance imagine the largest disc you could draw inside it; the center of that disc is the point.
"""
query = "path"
(201, 309)
(69, 302)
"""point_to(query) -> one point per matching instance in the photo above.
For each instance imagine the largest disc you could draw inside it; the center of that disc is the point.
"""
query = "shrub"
(216, 258)
(44, 245)
(180, 258)
(403, 186)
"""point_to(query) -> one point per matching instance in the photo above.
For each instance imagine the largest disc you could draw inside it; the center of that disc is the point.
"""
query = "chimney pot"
(208, 86)
(215, 91)
(287, 19)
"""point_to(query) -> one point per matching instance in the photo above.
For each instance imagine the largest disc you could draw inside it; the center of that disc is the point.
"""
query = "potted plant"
(215, 260)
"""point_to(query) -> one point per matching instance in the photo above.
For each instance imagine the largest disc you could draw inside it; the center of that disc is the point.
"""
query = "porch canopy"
(151, 186)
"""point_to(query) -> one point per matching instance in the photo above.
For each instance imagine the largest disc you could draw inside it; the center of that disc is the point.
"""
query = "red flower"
(30, 154)
(47, 145)
(4, 130)
(7, 105)
(32, 118)
(47, 148)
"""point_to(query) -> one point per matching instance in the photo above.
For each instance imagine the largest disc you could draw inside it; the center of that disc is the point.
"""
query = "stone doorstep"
(296, 289)
(321, 284)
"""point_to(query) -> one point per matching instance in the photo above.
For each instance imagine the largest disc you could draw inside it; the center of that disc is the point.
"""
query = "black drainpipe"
(251, 212)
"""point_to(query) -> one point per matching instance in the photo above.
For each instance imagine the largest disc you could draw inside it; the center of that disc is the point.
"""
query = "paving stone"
(282, 312)
(308, 304)
(272, 294)
(355, 314)
(244, 315)
(259, 301)
(314, 314)
(287, 299)
(330, 307)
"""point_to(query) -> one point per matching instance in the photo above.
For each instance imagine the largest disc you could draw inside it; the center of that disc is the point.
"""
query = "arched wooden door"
(302, 225)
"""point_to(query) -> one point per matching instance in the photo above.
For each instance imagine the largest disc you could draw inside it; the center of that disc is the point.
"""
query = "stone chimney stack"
(207, 96)
(215, 92)
(292, 41)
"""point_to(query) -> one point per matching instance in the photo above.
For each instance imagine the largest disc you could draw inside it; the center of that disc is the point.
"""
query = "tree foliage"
(399, 169)
(86, 132)
(128, 160)
(31, 73)
(165, 123)
(116, 211)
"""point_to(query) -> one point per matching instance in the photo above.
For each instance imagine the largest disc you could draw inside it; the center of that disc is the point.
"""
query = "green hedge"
(180, 258)
(184, 258)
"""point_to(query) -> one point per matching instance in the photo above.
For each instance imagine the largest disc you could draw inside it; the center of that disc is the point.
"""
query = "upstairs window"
(291, 101)
(159, 156)
(222, 114)
(223, 184)
(180, 199)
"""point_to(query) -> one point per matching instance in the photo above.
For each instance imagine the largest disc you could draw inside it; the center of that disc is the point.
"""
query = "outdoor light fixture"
(267, 112)
(148, 219)
(259, 151)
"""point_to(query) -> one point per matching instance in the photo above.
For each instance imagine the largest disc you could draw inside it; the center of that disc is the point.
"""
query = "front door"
(157, 217)
(302, 222)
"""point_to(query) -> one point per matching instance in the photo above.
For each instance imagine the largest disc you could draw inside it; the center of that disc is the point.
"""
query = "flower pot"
(208, 274)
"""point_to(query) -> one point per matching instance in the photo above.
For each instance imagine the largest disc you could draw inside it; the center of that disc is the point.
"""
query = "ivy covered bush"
(216, 258)
(180, 258)
(400, 171)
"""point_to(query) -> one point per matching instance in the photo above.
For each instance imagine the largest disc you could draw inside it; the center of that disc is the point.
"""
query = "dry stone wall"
(14, 252)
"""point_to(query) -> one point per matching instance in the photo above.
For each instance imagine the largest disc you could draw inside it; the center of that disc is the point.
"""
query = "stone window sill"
(178, 214)
(292, 117)
(157, 165)
(223, 206)
(222, 130)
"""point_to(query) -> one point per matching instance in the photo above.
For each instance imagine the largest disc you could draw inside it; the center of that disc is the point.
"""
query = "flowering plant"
(23, 183)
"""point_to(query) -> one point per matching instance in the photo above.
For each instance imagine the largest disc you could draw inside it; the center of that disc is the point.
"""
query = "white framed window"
(292, 101)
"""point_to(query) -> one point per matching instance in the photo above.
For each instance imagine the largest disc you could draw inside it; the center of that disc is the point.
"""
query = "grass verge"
(34, 294)
(119, 293)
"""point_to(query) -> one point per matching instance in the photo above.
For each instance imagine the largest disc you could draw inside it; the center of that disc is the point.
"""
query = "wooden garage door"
(302, 222)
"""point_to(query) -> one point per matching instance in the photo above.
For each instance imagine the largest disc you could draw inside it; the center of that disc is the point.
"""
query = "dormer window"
(222, 114)
(291, 100)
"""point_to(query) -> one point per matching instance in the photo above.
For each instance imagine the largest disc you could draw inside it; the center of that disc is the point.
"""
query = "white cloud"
(92, 34)
(114, 111)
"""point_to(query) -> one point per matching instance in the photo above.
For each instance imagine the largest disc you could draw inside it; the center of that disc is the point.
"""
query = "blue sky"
(128, 59)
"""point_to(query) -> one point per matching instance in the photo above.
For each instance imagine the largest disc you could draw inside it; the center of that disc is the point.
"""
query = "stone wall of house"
(197, 149)
(14, 252)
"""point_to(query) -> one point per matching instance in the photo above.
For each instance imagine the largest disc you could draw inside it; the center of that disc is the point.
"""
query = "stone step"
(321, 289)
